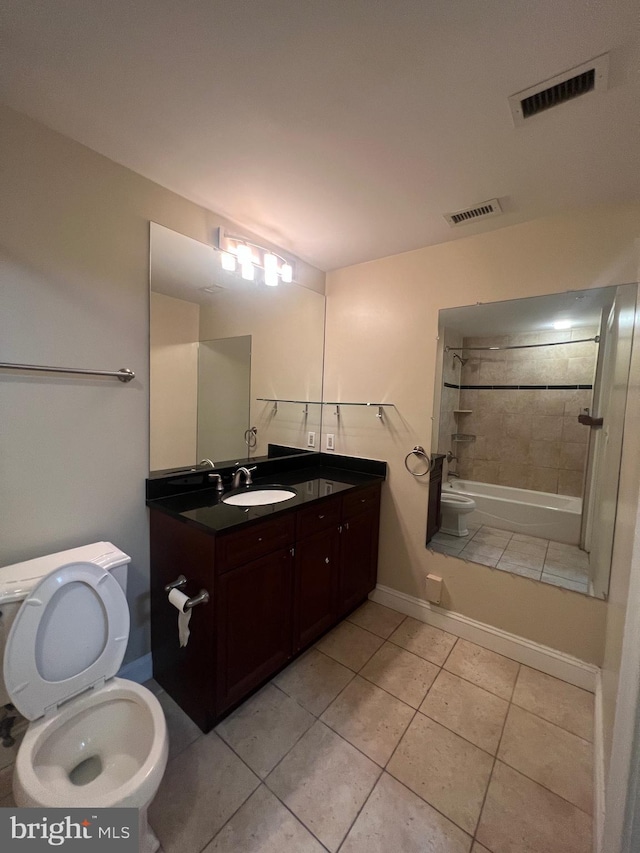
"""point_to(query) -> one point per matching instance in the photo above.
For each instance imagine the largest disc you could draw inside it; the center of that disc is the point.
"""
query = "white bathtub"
(540, 514)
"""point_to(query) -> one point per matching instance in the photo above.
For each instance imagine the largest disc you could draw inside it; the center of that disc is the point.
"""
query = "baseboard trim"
(138, 670)
(543, 658)
(598, 770)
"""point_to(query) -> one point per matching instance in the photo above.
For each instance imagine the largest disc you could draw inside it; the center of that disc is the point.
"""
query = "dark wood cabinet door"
(315, 586)
(358, 559)
(254, 625)
(434, 511)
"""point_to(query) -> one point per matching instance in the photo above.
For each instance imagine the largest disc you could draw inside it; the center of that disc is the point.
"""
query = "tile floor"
(389, 735)
(540, 559)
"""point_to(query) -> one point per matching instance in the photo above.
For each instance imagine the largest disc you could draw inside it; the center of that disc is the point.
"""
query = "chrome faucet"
(453, 474)
(207, 462)
(217, 479)
(238, 476)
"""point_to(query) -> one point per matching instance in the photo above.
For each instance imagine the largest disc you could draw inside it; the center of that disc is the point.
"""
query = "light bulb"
(244, 253)
(562, 324)
(270, 270)
(248, 270)
(286, 271)
(228, 261)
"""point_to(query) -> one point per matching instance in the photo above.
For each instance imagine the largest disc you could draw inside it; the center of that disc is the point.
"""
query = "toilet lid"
(69, 634)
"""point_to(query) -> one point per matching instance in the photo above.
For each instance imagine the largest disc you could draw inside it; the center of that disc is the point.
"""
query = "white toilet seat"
(132, 750)
(69, 634)
(458, 500)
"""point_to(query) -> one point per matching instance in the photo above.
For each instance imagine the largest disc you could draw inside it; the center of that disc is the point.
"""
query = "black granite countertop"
(204, 507)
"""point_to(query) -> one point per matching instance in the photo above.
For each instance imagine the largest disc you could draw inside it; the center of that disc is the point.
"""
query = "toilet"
(94, 740)
(455, 509)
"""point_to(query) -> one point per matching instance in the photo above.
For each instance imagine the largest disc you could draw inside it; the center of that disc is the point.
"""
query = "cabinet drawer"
(243, 546)
(318, 517)
(360, 500)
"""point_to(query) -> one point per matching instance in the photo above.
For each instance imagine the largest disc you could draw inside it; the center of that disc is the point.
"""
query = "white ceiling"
(340, 130)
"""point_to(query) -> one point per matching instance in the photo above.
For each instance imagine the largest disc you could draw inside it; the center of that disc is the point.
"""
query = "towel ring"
(421, 454)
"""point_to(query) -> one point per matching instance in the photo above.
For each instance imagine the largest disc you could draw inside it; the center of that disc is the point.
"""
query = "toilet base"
(456, 531)
(148, 840)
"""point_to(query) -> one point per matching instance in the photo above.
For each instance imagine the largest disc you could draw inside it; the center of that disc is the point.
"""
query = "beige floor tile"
(350, 645)
(530, 540)
(380, 620)
(6, 780)
(488, 670)
(369, 718)
(528, 559)
(563, 704)
(493, 531)
(478, 848)
(325, 782)
(506, 565)
(264, 825)
(572, 573)
(396, 819)
(264, 728)
(520, 816)
(487, 540)
(314, 680)
(401, 673)
(480, 549)
(565, 583)
(423, 640)
(181, 728)
(527, 547)
(555, 758)
(444, 769)
(200, 791)
(7, 802)
(480, 559)
(467, 710)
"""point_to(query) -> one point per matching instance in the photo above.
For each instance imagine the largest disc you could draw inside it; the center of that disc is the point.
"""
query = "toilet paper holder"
(179, 583)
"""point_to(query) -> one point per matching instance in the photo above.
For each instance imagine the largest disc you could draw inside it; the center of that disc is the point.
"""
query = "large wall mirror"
(236, 366)
(531, 397)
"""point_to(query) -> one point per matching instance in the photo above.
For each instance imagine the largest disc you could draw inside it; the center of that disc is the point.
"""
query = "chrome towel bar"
(124, 374)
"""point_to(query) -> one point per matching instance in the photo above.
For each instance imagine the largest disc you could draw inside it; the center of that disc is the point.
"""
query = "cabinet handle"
(346, 525)
(321, 516)
(292, 551)
(327, 560)
(363, 500)
(259, 538)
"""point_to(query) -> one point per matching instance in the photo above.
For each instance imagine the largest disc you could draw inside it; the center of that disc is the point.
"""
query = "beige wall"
(173, 393)
(382, 324)
(286, 325)
(74, 267)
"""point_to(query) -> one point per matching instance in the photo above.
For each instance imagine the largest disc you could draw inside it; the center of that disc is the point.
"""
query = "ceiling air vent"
(589, 77)
(480, 211)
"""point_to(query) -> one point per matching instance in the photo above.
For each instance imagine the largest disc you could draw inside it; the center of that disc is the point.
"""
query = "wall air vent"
(479, 211)
(589, 77)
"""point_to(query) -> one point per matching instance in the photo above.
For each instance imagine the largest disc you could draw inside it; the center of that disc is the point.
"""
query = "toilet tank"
(18, 579)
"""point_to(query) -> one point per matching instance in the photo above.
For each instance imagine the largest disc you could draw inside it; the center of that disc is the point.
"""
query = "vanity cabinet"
(316, 570)
(253, 629)
(358, 547)
(275, 587)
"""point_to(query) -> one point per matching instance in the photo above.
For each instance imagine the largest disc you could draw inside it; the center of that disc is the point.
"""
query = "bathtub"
(540, 514)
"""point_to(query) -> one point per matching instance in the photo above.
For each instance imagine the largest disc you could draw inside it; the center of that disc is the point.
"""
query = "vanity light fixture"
(562, 324)
(238, 251)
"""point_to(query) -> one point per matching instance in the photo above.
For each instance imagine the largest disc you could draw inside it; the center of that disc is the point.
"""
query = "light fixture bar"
(249, 255)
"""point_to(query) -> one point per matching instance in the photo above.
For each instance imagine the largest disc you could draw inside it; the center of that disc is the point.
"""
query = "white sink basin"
(260, 496)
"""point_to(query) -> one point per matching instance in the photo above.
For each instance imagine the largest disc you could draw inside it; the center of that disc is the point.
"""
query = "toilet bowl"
(455, 509)
(94, 739)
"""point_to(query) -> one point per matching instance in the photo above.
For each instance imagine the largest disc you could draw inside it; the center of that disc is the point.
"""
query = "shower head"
(462, 361)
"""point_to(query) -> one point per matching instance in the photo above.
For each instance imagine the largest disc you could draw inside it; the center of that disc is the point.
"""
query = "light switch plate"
(331, 443)
(311, 439)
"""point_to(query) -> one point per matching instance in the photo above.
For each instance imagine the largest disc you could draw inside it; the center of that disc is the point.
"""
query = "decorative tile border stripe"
(519, 387)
